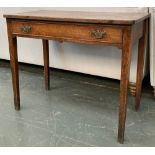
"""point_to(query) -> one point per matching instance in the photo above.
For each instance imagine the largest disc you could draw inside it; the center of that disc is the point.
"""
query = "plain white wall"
(91, 59)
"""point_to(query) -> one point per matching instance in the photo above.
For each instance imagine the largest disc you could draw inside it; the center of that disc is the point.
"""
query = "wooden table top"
(84, 17)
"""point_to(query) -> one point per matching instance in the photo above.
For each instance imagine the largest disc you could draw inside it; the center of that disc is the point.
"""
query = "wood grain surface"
(78, 16)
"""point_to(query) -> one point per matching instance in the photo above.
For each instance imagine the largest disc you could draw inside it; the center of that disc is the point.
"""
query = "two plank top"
(82, 17)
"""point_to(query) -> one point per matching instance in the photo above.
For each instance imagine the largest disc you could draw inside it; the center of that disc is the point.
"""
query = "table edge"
(72, 20)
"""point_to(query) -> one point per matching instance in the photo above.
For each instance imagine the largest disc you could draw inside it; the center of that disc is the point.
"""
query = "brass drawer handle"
(26, 29)
(97, 34)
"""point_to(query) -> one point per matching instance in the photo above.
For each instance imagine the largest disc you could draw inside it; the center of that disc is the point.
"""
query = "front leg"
(125, 71)
(14, 66)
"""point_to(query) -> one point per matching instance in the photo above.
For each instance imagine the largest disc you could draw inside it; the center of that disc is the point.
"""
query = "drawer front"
(70, 32)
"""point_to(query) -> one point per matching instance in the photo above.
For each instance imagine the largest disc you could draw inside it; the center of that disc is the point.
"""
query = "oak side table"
(113, 29)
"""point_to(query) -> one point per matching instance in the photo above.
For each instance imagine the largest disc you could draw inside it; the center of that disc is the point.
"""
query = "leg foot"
(120, 136)
(17, 103)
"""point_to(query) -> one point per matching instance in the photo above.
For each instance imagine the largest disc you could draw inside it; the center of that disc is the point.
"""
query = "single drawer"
(69, 32)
